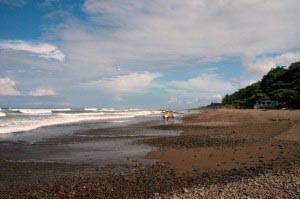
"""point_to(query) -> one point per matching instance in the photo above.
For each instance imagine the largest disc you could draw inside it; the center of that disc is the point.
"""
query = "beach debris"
(185, 190)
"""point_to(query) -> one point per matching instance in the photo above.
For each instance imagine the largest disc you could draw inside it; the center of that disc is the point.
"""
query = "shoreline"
(217, 150)
(83, 153)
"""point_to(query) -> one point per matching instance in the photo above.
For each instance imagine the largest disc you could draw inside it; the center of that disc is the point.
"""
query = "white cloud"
(190, 32)
(158, 36)
(194, 100)
(44, 50)
(7, 87)
(216, 98)
(197, 91)
(48, 3)
(237, 83)
(204, 82)
(42, 92)
(17, 3)
(131, 83)
(260, 66)
(174, 100)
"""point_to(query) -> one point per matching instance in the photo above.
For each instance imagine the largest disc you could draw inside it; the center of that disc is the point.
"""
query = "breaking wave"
(28, 119)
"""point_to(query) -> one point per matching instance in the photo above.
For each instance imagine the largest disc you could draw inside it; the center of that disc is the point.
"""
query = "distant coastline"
(281, 84)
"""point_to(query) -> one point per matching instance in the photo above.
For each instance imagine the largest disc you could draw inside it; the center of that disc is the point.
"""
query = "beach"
(209, 154)
(149, 99)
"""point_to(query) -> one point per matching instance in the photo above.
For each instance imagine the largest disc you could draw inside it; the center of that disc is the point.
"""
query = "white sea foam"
(37, 118)
(119, 121)
(81, 114)
(109, 109)
(13, 109)
(61, 109)
(90, 109)
(137, 113)
(35, 111)
(2, 114)
(26, 125)
(39, 111)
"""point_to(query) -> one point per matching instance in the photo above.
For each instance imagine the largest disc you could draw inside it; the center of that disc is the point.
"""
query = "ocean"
(32, 125)
(88, 135)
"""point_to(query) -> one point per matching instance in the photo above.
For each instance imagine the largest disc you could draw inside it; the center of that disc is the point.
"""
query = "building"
(266, 104)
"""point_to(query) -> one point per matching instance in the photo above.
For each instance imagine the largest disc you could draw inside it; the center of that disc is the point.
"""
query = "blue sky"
(144, 54)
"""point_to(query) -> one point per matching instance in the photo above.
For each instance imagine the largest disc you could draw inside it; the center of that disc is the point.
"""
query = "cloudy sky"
(140, 53)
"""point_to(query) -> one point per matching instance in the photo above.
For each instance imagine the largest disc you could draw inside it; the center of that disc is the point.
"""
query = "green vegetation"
(214, 105)
(281, 84)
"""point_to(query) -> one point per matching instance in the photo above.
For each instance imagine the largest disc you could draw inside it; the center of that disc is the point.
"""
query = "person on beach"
(163, 114)
(168, 115)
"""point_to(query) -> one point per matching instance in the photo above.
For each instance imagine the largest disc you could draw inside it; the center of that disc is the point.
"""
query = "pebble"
(185, 190)
(194, 141)
(275, 184)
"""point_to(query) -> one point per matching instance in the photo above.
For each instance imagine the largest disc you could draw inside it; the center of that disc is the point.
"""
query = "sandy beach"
(116, 99)
(219, 154)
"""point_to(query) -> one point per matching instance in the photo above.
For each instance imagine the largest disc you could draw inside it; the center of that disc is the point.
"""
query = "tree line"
(281, 84)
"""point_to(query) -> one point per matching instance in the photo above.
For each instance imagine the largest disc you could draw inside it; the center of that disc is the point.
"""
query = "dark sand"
(221, 153)
(227, 139)
(84, 153)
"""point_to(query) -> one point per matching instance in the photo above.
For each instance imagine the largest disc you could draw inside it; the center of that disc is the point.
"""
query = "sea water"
(36, 124)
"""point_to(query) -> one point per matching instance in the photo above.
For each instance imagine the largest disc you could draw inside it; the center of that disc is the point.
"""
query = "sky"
(140, 54)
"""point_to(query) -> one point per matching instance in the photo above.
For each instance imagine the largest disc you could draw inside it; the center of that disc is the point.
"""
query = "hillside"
(281, 84)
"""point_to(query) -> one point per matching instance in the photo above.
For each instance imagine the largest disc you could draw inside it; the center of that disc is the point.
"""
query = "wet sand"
(82, 153)
(220, 153)
(227, 139)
